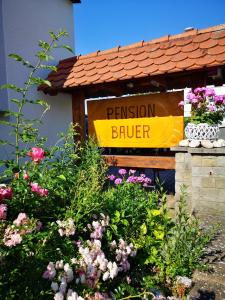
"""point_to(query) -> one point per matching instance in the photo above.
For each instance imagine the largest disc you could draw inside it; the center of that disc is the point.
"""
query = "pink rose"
(3, 211)
(39, 190)
(5, 192)
(12, 240)
(43, 192)
(21, 219)
(36, 154)
(26, 176)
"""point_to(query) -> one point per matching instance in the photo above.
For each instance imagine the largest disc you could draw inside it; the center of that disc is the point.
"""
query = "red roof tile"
(190, 50)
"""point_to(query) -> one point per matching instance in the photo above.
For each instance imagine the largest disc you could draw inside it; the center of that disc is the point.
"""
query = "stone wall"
(203, 172)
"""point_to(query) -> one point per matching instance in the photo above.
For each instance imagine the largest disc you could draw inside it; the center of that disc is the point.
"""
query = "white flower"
(55, 286)
(114, 271)
(61, 232)
(113, 244)
(69, 272)
(59, 296)
(71, 295)
(82, 278)
(59, 264)
(66, 227)
(105, 276)
(63, 286)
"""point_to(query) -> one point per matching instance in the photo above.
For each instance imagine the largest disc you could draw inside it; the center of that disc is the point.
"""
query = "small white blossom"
(59, 296)
(55, 286)
(105, 276)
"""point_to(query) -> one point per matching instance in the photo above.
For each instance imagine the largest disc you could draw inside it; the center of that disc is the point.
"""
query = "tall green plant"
(24, 129)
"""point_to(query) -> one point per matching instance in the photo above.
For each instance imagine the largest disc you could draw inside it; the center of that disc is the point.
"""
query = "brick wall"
(203, 172)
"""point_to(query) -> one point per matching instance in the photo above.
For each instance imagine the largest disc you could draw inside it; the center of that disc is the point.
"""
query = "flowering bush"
(50, 246)
(206, 106)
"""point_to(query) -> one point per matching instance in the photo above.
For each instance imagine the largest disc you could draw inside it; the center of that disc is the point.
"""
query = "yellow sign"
(142, 106)
(157, 132)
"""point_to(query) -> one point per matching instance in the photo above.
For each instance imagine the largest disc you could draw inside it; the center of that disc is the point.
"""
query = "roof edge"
(162, 39)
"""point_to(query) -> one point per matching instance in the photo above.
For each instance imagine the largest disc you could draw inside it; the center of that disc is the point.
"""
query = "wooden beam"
(133, 161)
(78, 99)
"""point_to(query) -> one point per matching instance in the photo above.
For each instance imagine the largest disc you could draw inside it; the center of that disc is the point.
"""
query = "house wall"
(24, 23)
(3, 93)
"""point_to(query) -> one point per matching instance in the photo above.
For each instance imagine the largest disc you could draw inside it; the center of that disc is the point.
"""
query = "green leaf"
(12, 87)
(143, 229)
(14, 100)
(114, 228)
(2, 142)
(67, 47)
(42, 103)
(12, 113)
(125, 222)
(43, 56)
(62, 177)
(47, 67)
(16, 57)
(155, 212)
(44, 45)
(116, 219)
(38, 81)
(158, 234)
(6, 123)
(21, 59)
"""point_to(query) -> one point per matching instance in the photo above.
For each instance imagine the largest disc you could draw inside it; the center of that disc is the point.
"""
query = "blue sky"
(104, 24)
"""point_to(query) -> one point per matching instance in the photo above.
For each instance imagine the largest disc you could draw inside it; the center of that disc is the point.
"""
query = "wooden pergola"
(190, 59)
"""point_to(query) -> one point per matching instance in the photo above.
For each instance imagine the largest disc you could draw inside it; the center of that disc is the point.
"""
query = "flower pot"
(202, 131)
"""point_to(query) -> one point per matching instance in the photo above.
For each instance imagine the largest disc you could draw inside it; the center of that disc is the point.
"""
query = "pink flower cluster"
(5, 192)
(21, 225)
(91, 266)
(204, 98)
(99, 227)
(61, 280)
(3, 211)
(142, 178)
(38, 190)
(36, 154)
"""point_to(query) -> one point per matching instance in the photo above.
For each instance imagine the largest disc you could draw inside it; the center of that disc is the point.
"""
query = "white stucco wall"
(24, 23)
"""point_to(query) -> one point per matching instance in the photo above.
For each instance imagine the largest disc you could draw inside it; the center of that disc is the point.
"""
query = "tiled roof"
(193, 49)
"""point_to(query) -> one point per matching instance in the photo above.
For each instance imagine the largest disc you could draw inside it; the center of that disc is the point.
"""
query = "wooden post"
(78, 99)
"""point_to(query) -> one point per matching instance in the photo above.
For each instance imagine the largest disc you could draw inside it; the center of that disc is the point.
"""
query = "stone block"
(208, 194)
(179, 176)
(180, 166)
(208, 182)
(220, 182)
(196, 181)
(221, 196)
(218, 171)
(187, 176)
(179, 157)
(202, 171)
(196, 161)
(220, 161)
(209, 208)
(209, 161)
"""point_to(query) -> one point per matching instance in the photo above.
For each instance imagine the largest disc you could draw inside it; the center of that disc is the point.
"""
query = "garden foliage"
(69, 231)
